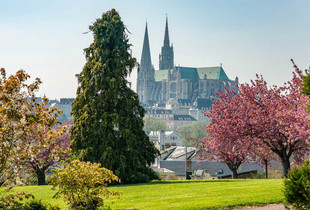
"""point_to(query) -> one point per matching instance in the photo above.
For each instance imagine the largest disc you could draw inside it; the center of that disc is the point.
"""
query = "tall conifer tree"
(108, 118)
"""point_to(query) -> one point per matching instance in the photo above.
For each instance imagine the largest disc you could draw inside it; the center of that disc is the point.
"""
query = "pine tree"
(108, 117)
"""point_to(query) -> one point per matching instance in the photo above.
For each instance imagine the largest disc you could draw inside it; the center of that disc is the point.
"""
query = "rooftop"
(216, 72)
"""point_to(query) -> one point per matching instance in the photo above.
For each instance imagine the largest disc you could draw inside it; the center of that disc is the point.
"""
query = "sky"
(46, 38)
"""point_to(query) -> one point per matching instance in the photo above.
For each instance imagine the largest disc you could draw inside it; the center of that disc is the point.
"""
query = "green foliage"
(154, 124)
(306, 86)
(108, 117)
(13, 200)
(194, 130)
(53, 207)
(297, 187)
(35, 205)
(83, 184)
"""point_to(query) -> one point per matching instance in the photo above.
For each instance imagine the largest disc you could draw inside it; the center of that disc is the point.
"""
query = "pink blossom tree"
(225, 141)
(280, 119)
(257, 120)
(46, 145)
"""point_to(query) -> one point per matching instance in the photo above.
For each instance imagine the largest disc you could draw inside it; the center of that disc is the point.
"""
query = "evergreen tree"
(108, 117)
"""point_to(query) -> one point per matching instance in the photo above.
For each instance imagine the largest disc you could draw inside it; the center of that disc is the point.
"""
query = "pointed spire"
(166, 39)
(166, 58)
(146, 54)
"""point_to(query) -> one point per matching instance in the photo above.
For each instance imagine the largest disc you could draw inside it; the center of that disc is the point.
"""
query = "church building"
(170, 82)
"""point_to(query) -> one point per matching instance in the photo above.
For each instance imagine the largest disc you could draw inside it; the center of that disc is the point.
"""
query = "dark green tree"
(108, 117)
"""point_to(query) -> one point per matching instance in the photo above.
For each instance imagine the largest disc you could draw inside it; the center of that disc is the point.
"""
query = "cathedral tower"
(146, 81)
(166, 58)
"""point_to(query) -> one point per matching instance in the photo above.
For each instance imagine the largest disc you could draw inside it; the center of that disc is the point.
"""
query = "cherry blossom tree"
(46, 144)
(226, 136)
(280, 119)
(258, 119)
(16, 97)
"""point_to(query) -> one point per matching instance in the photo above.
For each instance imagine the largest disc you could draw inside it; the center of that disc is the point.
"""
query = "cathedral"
(170, 82)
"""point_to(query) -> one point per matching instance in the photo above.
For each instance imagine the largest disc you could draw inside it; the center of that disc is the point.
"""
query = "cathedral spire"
(166, 39)
(145, 81)
(146, 54)
(166, 58)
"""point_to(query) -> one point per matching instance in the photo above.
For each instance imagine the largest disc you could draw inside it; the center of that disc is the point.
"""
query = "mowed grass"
(204, 194)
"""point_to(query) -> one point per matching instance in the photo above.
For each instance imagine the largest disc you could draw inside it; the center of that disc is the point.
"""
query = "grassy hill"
(204, 194)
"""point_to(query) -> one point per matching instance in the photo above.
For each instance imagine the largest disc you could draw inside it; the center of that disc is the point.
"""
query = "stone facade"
(176, 82)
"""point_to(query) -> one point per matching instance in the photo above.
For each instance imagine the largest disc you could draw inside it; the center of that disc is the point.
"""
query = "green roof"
(160, 75)
(216, 72)
(195, 74)
(188, 73)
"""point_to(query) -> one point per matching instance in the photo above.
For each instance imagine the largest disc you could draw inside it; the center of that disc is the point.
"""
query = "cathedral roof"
(188, 73)
(195, 74)
(216, 72)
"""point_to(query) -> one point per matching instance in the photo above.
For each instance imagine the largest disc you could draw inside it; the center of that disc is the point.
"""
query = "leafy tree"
(47, 144)
(16, 105)
(83, 184)
(154, 124)
(108, 117)
(261, 117)
(193, 130)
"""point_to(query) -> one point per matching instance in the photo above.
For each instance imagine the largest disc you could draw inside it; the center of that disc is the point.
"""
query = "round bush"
(297, 187)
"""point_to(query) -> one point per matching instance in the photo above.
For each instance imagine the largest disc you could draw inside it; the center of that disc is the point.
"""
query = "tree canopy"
(17, 101)
(154, 124)
(194, 130)
(108, 117)
(257, 120)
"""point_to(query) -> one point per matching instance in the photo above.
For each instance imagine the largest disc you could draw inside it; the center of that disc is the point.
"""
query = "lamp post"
(185, 162)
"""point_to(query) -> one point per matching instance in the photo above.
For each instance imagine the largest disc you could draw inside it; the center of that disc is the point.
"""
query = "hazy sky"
(249, 37)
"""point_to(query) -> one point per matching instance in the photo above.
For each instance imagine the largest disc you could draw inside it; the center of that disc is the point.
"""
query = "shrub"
(13, 201)
(35, 205)
(173, 177)
(297, 187)
(261, 175)
(83, 184)
(53, 207)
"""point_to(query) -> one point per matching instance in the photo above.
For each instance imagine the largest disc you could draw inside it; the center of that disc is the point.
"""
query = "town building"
(65, 104)
(165, 139)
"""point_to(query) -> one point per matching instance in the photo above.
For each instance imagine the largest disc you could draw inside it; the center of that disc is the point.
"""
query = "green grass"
(206, 194)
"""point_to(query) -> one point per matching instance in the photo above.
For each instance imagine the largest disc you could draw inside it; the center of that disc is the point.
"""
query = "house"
(179, 120)
(165, 139)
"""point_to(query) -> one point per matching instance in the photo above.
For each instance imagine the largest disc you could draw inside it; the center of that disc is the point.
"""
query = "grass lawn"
(204, 194)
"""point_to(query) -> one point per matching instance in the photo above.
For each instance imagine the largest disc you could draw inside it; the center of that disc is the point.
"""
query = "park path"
(268, 207)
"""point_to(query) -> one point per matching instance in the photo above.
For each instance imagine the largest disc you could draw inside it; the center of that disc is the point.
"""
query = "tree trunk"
(234, 173)
(41, 178)
(266, 168)
(286, 165)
